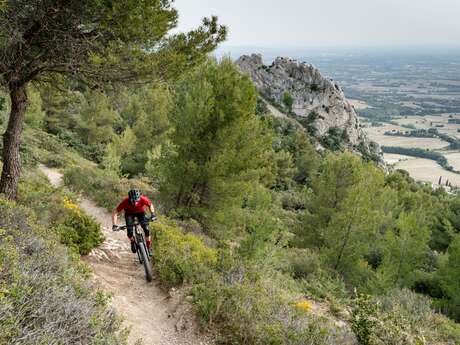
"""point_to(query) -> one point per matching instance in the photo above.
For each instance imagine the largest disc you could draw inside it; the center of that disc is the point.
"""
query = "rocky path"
(273, 110)
(154, 317)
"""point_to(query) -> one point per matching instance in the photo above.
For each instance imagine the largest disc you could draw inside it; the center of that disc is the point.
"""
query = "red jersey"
(138, 207)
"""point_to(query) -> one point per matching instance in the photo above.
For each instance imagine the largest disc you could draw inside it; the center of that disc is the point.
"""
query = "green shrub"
(92, 152)
(288, 101)
(314, 87)
(292, 200)
(40, 147)
(407, 318)
(249, 304)
(364, 319)
(334, 139)
(180, 257)
(324, 286)
(36, 193)
(45, 297)
(104, 188)
(302, 262)
(309, 123)
(55, 209)
(251, 307)
(76, 229)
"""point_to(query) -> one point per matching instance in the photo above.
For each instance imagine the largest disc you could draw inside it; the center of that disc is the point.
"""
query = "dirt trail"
(154, 317)
(273, 110)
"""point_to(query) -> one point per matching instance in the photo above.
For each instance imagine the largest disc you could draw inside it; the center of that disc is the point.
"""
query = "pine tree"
(97, 119)
(449, 276)
(94, 42)
(346, 212)
(118, 150)
(354, 224)
(331, 187)
(220, 147)
(35, 115)
(404, 250)
(151, 127)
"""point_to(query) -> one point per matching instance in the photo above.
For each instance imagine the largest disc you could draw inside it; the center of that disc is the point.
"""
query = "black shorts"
(129, 219)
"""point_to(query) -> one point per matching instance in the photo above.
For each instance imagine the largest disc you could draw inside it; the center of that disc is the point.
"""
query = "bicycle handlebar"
(124, 227)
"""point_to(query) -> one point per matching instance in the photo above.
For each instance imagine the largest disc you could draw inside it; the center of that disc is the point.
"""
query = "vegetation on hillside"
(45, 292)
(263, 229)
(274, 242)
(93, 43)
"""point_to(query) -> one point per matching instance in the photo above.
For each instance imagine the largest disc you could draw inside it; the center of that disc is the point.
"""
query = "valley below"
(405, 100)
(397, 135)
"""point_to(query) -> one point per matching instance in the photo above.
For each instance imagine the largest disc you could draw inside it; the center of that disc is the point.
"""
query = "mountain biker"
(134, 207)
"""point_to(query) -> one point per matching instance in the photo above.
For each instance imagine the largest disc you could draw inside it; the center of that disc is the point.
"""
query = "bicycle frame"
(142, 250)
(139, 239)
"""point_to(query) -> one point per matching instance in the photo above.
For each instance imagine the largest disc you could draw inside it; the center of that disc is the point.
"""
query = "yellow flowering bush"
(70, 205)
(304, 306)
(57, 209)
(180, 257)
(77, 230)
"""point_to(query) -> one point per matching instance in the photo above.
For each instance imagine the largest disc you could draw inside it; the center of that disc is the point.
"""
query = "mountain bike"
(142, 251)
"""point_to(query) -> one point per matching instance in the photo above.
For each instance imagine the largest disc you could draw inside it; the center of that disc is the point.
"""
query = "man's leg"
(145, 226)
(129, 219)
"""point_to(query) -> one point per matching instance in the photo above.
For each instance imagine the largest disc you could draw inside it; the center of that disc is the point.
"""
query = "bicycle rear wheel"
(146, 261)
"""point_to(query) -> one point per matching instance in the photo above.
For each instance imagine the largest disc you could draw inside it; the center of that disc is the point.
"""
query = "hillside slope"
(319, 100)
(153, 316)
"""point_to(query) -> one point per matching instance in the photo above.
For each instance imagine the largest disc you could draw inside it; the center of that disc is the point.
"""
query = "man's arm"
(114, 217)
(117, 210)
(149, 203)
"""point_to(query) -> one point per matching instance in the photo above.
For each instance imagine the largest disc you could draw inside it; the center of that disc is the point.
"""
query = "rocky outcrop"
(319, 100)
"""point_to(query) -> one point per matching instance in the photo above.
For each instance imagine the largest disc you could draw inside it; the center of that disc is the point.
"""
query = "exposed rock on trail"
(154, 317)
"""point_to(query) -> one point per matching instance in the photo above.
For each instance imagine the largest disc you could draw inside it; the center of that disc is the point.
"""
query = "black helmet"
(134, 195)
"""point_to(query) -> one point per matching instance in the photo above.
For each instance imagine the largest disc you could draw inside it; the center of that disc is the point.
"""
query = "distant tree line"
(418, 133)
(454, 144)
(420, 153)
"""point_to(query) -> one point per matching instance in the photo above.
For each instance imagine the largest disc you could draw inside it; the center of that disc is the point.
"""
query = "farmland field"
(359, 105)
(427, 170)
(377, 134)
(440, 122)
(393, 158)
(399, 92)
(421, 169)
(453, 157)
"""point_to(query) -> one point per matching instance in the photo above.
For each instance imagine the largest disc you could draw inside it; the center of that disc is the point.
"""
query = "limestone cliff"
(319, 101)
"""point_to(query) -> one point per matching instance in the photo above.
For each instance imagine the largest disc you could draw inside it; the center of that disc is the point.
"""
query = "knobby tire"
(146, 262)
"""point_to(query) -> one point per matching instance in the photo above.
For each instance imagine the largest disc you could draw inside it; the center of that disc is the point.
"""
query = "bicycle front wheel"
(146, 261)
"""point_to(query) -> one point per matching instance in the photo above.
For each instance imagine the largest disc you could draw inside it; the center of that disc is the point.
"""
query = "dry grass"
(427, 170)
(359, 105)
(45, 297)
(377, 134)
(454, 159)
(393, 158)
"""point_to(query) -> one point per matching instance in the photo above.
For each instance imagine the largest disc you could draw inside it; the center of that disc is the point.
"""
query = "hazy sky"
(302, 23)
